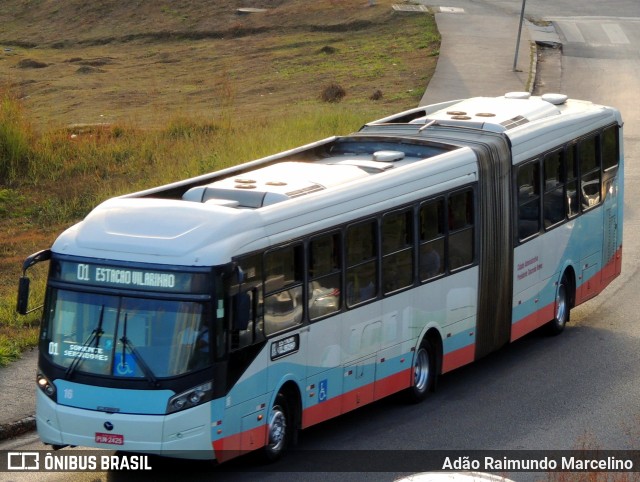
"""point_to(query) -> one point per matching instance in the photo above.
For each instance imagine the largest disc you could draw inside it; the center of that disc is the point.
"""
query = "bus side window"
(324, 275)
(397, 250)
(610, 147)
(252, 285)
(528, 185)
(590, 181)
(432, 261)
(461, 235)
(572, 206)
(553, 196)
(362, 266)
(283, 307)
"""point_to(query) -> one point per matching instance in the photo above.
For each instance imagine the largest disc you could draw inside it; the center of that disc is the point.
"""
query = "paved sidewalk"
(18, 395)
(476, 59)
(477, 53)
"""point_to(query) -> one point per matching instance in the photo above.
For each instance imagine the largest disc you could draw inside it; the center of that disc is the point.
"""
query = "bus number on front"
(83, 272)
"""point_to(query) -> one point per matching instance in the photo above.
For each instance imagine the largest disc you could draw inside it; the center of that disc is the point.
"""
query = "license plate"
(109, 438)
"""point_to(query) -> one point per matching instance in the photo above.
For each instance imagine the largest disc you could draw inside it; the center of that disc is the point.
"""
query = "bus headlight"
(190, 398)
(46, 386)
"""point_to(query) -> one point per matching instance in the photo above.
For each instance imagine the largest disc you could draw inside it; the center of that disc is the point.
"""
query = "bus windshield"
(125, 337)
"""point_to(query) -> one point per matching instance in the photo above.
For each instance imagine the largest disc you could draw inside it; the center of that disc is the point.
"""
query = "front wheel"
(423, 373)
(279, 429)
(556, 326)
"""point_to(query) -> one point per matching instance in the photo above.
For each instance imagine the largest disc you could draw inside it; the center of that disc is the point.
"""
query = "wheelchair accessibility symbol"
(124, 366)
(123, 369)
(322, 390)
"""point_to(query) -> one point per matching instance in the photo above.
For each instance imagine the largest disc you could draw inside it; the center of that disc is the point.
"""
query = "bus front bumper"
(185, 434)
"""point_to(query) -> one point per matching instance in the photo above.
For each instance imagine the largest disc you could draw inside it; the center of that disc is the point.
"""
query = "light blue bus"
(224, 313)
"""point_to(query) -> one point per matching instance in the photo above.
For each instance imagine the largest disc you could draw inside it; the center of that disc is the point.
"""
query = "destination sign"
(123, 277)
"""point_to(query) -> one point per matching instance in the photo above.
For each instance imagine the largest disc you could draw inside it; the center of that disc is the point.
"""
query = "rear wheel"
(279, 429)
(556, 326)
(423, 372)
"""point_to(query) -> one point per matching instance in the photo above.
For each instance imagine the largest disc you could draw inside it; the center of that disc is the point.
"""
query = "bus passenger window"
(589, 172)
(362, 269)
(528, 185)
(461, 243)
(431, 260)
(572, 206)
(461, 252)
(283, 307)
(610, 147)
(324, 275)
(553, 197)
(252, 285)
(397, 250)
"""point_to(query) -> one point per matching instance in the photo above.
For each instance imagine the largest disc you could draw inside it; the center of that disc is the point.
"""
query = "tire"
(562, 309)
(424, 373)
(279, 429)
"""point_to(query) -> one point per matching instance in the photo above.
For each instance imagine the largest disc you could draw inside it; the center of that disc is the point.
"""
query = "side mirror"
(23, 295)
(22, 306)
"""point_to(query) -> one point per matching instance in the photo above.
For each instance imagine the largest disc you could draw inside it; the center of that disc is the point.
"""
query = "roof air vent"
(555, 99)
(388, 156)
(517, 95)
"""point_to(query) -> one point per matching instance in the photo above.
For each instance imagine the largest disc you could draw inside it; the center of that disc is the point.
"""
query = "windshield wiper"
(126, 343)
(95, 335)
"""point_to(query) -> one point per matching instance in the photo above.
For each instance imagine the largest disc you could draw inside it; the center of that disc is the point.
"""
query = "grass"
(168, 92)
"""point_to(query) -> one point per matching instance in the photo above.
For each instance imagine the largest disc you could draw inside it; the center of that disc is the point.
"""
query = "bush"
(332, 93)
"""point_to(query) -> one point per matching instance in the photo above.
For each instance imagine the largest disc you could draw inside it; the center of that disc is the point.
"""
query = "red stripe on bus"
(322, 411)
(240, 443)
(533, 321)
(458, 358)
(353, 399)
(393, 383)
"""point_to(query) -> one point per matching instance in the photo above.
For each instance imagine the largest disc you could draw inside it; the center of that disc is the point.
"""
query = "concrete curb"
(20, 427)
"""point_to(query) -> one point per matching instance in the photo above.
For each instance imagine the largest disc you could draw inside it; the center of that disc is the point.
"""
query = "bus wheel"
(555, 326)
(279, 429)
(423, 372)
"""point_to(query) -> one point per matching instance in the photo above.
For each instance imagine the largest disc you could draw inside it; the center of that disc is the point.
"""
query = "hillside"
(139, 61)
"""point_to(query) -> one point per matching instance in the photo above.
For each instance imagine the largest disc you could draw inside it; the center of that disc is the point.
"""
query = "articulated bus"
(222, 314)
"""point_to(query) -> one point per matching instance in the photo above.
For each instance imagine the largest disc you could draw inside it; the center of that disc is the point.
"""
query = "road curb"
(13, 429)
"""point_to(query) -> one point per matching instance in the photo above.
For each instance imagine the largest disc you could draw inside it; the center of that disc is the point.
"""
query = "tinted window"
(397, 250)
(325, 277)
(528, 185)
(362, 270)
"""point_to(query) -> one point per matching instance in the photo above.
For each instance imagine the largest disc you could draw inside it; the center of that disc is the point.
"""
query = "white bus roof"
(205, 220)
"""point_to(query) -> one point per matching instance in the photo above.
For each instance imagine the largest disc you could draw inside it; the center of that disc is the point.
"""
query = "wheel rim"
(421, 370)
(277, 429)
(561, 305)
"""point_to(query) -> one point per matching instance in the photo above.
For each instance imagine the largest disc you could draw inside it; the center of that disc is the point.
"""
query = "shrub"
(332, 93)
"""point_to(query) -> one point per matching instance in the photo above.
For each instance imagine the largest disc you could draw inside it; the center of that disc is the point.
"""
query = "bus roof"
(392, 160)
